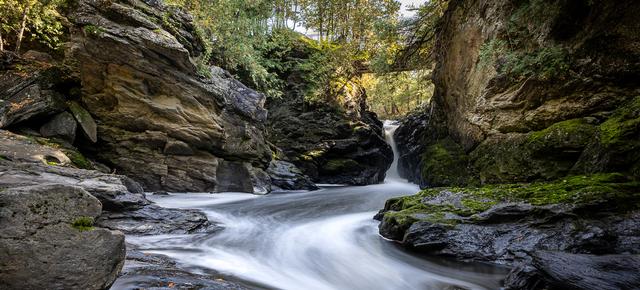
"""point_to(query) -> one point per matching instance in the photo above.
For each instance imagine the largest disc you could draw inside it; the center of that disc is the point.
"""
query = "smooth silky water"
(323, 239)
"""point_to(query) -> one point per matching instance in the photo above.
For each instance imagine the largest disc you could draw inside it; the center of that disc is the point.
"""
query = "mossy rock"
(446, 163)
(540, 155)
(610, 191)
(563, 136)
(334, 166)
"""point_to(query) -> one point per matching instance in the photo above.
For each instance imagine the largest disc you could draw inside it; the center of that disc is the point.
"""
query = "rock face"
(48, 240)
(24, 162)
(331, 146)
(528, 90)
(163, 117)
(28, 94)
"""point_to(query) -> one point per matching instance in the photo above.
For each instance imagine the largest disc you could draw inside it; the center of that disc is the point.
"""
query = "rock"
(516, 120)
(559, 270)
(328, 146)
(287, 176)
(37, 56)
(61, 125)
(26, 97)
(233, 177)
(155, 220)
(124, 204)
(506, 223)
(18, 149)
(85, 120)
(261, 180)
(48, 240)
(161, 119)
(177, 148)
(153, 271)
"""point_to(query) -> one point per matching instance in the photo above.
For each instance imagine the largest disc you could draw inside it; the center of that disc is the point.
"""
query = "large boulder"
(287, 176)
(48, 240)
(61, 125)
(596, 214)
(163, 116)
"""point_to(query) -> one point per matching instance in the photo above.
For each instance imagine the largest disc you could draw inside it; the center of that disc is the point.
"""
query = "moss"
(572, 134)
(93, 30)
(340, 165)
(623, 125)
(78, 159)
(446, 163)
(83, 224)
(613, 189)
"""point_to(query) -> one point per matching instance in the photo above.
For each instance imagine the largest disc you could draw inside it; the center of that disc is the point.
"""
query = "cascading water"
(389, 130)
(324, 239)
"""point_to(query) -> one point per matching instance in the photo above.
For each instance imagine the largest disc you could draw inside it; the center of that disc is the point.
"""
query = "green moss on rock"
(623, 126)
(78, 159)
(446, 205)
(83, 224)
(574, 133)
(446, 163)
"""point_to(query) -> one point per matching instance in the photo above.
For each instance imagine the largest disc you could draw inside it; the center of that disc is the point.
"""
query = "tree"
(38, 19)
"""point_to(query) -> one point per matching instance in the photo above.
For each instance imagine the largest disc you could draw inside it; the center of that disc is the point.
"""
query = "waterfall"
(390, 127)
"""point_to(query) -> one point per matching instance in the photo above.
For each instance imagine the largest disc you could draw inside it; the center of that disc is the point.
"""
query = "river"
(323, 239)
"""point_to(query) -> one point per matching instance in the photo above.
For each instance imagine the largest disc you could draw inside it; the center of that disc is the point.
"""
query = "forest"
(319, 144)
(349, 39)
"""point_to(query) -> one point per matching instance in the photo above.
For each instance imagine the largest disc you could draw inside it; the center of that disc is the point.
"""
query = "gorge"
(204, 145)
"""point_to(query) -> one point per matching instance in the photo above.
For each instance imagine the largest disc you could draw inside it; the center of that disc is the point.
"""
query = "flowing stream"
(324, 239)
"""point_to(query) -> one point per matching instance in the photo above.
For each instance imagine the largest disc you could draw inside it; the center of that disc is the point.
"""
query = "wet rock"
(506, 223)
(48, 240)
(287, 176)
(560, 270)
(155, 220)
(62, 125)
(153, 271)
(233, 177)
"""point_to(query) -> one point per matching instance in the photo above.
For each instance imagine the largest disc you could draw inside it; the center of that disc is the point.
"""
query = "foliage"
(83, 224)
(39, 20)
(253, 39)
(417, 38)
(517, 54)
(392, 95)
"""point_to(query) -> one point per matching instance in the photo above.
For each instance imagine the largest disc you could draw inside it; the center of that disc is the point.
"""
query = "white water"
(389, 129)
(324, 239)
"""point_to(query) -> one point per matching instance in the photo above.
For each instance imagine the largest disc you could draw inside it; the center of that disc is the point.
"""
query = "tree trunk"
(23, 25)
(1, 42)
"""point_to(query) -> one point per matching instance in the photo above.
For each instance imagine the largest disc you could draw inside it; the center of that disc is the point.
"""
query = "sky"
(408, 3)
